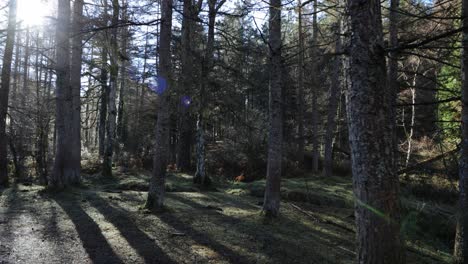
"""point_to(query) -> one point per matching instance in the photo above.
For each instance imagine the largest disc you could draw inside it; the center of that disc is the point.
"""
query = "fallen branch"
(424, 163)
(325, 221)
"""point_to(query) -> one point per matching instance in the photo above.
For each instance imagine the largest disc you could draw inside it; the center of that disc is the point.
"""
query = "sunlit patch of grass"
(315, 211)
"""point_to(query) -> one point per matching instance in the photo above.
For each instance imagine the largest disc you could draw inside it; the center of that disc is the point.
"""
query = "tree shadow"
(232, 201)
(170, 220)
(6, 230)
(89, 232)
(140, 241)
(204, 239)
(47, 215)
(274, 241)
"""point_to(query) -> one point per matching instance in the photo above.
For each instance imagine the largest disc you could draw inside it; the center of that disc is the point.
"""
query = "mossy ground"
(102, 222)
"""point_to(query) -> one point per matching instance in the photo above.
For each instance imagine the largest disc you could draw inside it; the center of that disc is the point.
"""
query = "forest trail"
(106, 225)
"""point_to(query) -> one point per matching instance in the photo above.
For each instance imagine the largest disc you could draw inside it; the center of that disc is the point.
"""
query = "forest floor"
(102, 222)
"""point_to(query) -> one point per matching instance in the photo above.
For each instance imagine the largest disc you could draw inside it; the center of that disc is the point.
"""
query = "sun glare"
(33, 12)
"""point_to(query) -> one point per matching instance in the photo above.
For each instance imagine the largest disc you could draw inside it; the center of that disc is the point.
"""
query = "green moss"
(325, 221)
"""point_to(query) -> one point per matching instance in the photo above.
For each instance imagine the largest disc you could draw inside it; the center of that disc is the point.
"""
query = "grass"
(316, 223)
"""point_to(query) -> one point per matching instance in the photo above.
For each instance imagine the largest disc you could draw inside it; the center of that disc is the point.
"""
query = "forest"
(234, 131)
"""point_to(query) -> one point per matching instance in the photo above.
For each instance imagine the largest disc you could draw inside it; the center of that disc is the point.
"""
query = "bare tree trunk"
(5, 91)
(375, 178)
(21, 144)
(14, 100)
(185, 122)
(16, 74)
(121, 121)
(315, 124)
(89, 105)
(111, 107)
(64, 172)
(156, 193)
(200, 174)
(104, 88)
(393, 84)
(24, 92)
(300, 92)
(271, 202)
(75, 82)
(48, 157)
(140, 99)
(332, 109)
(413, 114)
(40, 152)
(461, 239)
(103, 105)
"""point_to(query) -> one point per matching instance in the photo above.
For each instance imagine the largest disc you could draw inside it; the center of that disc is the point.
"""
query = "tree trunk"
(375, 179)
(410, 135)
(25, 69)
(21, 138)
(461, 240)
(89, 105)
(300, 93)
(314, 76)
(275, 137)
(121, 121)
(40, 152)
(104, 101)
(200, 174)
(104, 89)
(16, 74)
(393, 84)
(185, 122)
(156, 193)
(140, 94)
(332, 109)
(75, 82)
(14, 100)
(5, 91)
(111, 107)
(48, 157)
(64, 172)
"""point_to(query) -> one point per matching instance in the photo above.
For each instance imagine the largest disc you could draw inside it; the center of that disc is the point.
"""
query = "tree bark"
(111, 107)
(41, 136)
(75, 82)
(461, 239)
(185, 122)
(375, 179)
(332, 109)
(314, 76)
(121, 120)
(410, 135)
(89, 104)
(393, 84)
(300, 93)
(141, 99)
(271, 202)
(156, 193)
(64, 171)
(5, 91)
(200, 174)
(16, 75)
(104, 88)
(21, 144)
